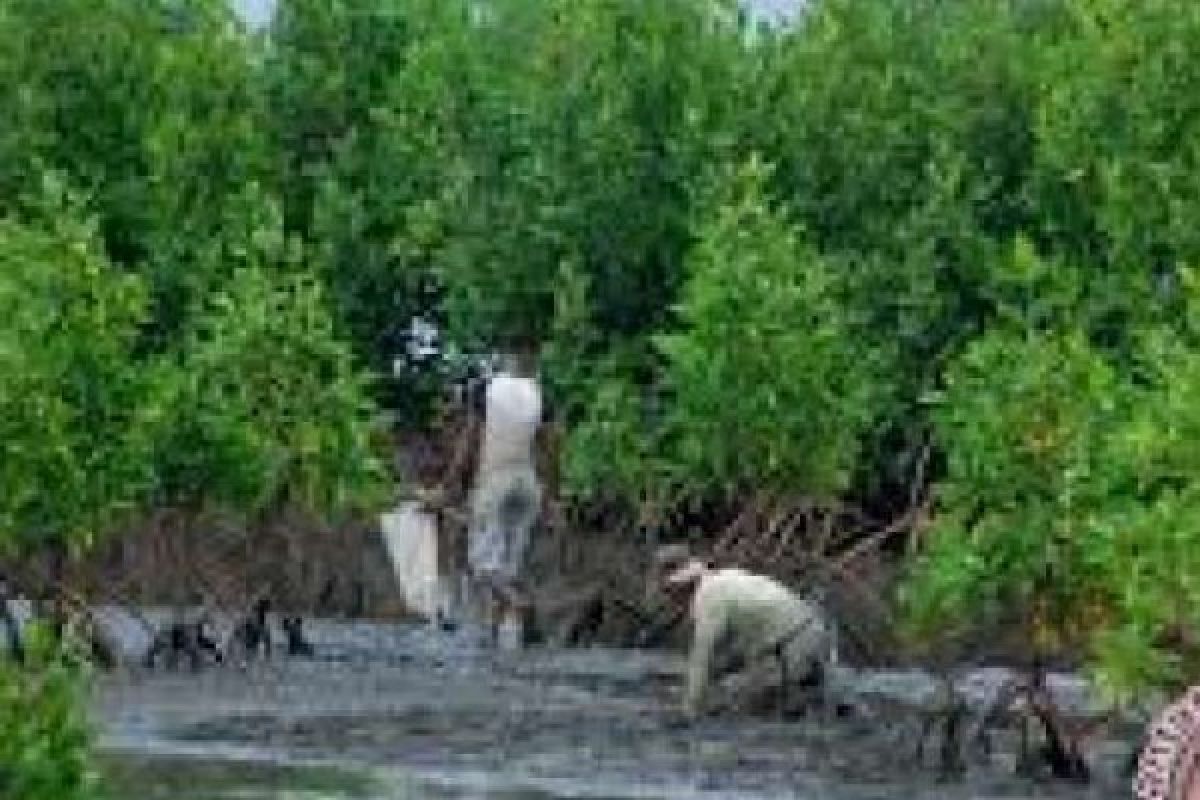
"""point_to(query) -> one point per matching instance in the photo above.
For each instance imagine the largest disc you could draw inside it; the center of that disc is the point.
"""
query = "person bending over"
(749, 620)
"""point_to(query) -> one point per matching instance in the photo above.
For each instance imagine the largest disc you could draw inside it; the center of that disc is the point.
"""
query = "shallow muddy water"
(393, 711)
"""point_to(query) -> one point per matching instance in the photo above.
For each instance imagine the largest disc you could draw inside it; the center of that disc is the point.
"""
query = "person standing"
(505, 501)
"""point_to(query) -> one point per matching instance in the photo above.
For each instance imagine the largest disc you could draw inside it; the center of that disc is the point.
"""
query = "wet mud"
(401, 711)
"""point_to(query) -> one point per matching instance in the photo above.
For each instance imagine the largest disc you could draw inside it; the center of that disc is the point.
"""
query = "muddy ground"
(401, 711)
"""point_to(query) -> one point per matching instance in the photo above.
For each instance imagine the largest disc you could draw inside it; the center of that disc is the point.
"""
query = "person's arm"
(709, 621)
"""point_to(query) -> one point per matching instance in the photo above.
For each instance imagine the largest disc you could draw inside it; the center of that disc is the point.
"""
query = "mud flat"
(394, 711)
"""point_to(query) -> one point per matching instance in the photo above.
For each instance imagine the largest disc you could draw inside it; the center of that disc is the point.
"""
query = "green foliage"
(1063, 499)
(760, 387)
(149, 107)
(488, 148)
(612, 451)
(270, 407)
(766, 388)
(1118, 173)
(75, 411)
(955, 210)
(370, 102)
(156, 110)
(1069, 504)
(601, 117)
(43, 753)
(258, 404)
(1023, 419)
(1149, 550)
(903, 138)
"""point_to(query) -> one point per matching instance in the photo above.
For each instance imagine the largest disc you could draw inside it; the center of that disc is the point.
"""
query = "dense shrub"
(1091, 539)
(151, 109)
(955, 211)
(43, 753)
(162, 343)
(766, 389)
(486, 149)
(270, 409)
(1069, 504)
(619, 106)
(370, 102)
(1024, 419)
(1118, 160)
(75, 409)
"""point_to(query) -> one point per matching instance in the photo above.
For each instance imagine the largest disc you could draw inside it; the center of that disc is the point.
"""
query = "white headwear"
(693, 570)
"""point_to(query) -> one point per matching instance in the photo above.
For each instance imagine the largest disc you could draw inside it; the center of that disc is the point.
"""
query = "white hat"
(692, 570)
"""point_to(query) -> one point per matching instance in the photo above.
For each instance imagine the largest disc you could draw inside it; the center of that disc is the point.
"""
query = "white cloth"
(410, 535)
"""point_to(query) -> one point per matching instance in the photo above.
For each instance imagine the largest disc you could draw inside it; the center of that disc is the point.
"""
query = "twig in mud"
(992, 717)
(787, 532)
(736, 530)
(952, 714)
(1061, 749)
(297, 643)
(252, 634)
(820, 549)
(914, 494)
(905, 522)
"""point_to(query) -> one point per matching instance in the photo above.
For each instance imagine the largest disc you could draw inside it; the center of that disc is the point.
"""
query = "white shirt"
(513, 411)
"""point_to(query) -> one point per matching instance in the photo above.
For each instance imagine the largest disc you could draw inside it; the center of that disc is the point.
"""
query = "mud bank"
(394, 711)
